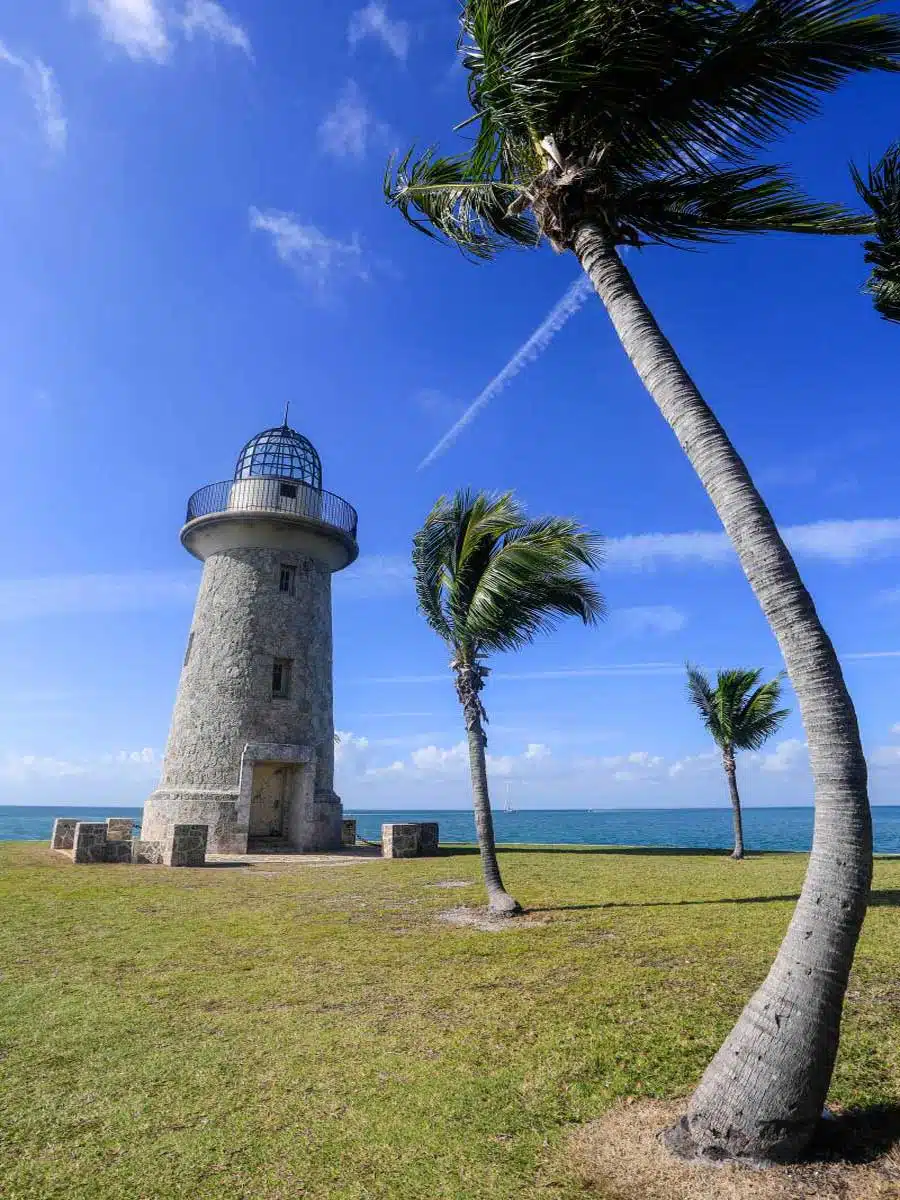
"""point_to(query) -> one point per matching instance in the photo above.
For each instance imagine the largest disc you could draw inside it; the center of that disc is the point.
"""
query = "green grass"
(315, 1031)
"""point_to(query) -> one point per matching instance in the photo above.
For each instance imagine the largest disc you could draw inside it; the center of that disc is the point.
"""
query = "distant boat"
(507, 806)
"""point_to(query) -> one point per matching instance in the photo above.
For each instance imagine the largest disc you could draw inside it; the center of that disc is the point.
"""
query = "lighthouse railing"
(263, 494)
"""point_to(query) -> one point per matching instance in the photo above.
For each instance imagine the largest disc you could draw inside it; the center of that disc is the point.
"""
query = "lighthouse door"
(267, 803)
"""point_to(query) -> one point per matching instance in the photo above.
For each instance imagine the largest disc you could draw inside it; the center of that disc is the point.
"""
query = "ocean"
(690, 828)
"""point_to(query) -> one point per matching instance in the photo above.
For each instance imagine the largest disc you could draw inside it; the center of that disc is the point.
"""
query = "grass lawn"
(316, 1031)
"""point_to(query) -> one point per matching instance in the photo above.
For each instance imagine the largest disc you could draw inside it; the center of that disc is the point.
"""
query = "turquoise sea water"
(694, 828)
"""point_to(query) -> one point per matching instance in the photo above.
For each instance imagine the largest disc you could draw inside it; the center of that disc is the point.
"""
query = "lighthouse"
(250, 751)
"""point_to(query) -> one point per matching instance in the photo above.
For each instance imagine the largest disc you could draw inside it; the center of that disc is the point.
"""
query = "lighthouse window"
(289, 491)
(287, 580)
(281, 677)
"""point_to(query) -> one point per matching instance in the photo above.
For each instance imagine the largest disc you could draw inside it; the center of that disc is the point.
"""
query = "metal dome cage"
(280, 453)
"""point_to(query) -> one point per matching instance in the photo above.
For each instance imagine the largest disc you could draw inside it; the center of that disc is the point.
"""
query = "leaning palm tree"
(740, 713)
(601, 125)
(881, 192)
(490, 579)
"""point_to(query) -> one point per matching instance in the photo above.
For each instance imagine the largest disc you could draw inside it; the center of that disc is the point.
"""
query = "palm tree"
(740, 714)
(600, 125)
(881, 192)
(490, 579)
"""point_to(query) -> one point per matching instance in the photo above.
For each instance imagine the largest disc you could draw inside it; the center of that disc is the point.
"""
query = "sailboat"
(507, 806)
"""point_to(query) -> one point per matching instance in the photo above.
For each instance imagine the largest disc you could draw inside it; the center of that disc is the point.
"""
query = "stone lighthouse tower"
(251, 745)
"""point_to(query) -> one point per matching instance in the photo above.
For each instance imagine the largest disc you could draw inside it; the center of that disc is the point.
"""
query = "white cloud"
(373, 22)
(24, 767)
(43, 90)
(786, 756)
(833, 541)
(315, 257)
(138, 26)
(205, 18)
(147, 29)
(895, 728)
(349, 128)
(62, 595)
(647, 618)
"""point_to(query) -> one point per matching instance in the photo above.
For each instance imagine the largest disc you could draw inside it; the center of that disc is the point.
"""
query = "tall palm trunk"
(731, 774)
(762, 1095)
(499, 900)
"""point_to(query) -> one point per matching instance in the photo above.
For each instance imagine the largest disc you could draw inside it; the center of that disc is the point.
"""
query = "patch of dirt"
(480, 918)
(620, 1157)
(452, 883)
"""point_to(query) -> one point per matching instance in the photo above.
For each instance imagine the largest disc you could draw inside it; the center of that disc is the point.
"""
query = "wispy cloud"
(375, 575)
(834, 541)
(316, 258)
(647, 618)
(138, 26)
(373, 22)
(63, 595)
(146, 29)
(348, 130)
(532, 348)
(612, 670)
(24, 767)
(205, 18)
(43, 91)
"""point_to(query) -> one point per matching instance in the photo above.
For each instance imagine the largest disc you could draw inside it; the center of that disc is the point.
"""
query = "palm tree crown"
(739, 712)
(643, 117)
(881, 192)
(488, 578)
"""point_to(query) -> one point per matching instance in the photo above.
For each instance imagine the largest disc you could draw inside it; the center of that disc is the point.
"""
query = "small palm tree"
(740, 714)
(601, 125)
(881, 192)
(490, 579)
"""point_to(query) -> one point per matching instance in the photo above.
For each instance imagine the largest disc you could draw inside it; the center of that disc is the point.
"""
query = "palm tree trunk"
(762, 1095)
(499, 900)
(731, 774)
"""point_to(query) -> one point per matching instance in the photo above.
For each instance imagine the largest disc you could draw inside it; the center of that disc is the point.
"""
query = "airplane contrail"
(571, 302)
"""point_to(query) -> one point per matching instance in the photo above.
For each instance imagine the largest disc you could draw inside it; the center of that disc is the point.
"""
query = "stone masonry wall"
(241, 622)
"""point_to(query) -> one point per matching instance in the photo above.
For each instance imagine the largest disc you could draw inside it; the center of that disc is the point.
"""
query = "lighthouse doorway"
(269, 799)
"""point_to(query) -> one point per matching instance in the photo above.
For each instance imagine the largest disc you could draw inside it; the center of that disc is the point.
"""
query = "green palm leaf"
(739, 712)
(880, 190)
(642, 118)
(489, 579)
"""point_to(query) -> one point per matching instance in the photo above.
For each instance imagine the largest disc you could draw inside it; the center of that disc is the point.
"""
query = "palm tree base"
(734, 1146)
(501, 904)
(738, 856)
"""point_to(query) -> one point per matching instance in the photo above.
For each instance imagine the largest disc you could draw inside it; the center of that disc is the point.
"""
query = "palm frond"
(642, 117)
(456, 203)
(489, 579)
(880, 190)
(764, 67)
(738, 712)
(432, 553)
(706, 205)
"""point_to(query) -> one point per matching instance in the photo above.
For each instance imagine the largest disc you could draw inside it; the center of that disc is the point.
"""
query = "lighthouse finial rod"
(287, 409)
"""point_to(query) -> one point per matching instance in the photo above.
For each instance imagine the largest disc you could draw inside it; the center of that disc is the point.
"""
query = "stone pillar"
(89, 843)
(63, 836)
(428, 838)
(400, 841)
(348, 832)
(118, 829)
(185, 846)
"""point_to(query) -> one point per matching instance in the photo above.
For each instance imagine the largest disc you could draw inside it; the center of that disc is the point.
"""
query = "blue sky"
(192, 233)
